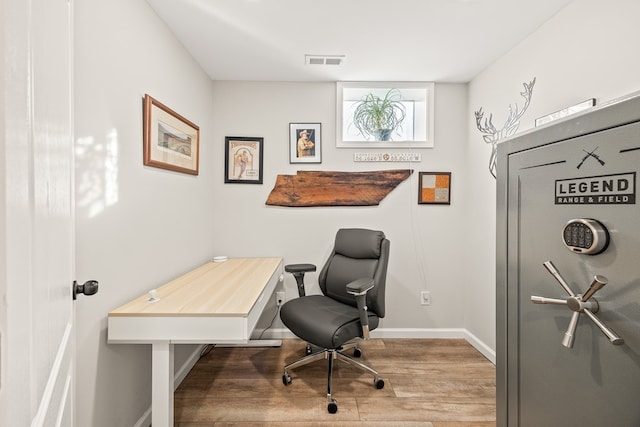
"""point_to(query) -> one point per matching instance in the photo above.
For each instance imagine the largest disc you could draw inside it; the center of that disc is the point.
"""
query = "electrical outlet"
(279, 298)
(425, 298)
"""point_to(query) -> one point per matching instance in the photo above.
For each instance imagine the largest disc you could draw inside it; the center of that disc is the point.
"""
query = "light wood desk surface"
(229, 288)
(218, 302)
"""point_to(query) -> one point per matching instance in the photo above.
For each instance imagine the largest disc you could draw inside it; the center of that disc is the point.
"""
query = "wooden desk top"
(219, 289)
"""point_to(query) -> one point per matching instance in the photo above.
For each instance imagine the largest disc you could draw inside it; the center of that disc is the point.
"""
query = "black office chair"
(353, 287)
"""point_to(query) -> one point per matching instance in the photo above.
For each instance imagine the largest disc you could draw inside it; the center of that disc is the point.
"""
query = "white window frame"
(420, 93)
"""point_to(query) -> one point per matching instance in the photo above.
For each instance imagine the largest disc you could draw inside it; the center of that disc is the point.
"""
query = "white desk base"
(162, 383)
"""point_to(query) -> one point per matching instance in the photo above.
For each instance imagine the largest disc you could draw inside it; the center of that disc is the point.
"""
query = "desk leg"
(162, 384)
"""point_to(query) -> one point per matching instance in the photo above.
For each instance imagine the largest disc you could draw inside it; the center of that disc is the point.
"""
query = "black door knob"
(90, 287)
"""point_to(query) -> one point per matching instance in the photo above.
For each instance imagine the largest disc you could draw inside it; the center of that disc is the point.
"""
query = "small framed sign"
(243, 160)
(305, 143)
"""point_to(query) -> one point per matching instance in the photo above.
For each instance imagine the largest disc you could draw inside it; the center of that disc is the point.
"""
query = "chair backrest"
(357, 253)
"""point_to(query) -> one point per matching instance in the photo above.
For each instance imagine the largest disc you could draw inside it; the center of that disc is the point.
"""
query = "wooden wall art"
(320, 188)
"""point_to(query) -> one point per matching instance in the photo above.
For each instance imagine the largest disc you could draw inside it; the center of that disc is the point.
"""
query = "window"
(414, 104)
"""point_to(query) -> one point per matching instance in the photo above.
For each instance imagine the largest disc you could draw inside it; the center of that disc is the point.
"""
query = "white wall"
(137, 227)
(423, 248)
(588, 50)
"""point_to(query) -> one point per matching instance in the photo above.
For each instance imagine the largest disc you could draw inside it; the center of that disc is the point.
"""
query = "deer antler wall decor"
(493, 135)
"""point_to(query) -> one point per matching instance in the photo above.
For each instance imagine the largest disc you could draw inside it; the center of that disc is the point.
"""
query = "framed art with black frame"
(243, 160)
(305, 143)
(434, 188)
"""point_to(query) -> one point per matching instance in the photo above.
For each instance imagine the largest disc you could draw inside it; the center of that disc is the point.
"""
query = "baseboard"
(442, 333)
(277, 334)
(188, 364)
(424, 333)
(479, 345)
(145, 419)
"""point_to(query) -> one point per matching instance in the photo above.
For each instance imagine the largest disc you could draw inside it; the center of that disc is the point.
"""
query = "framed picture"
(305, 143)
(434, 188)
(243, 160)
(170, 141)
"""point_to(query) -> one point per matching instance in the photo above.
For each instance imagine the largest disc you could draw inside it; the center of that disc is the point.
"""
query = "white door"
(37, 379)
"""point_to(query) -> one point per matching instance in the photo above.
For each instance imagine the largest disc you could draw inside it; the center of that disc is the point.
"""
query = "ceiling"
(399, 40)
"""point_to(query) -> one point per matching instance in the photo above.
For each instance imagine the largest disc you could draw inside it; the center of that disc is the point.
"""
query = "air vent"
(324, 59)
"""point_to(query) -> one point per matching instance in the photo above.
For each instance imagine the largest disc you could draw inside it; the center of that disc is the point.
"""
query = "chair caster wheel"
(379, 383)
(286, 379)
(308, 350)
(332, 407)
(357, 352)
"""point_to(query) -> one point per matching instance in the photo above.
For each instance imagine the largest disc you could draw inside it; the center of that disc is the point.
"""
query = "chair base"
(331, 355)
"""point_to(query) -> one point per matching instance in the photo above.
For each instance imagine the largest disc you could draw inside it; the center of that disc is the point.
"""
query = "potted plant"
(379, 117)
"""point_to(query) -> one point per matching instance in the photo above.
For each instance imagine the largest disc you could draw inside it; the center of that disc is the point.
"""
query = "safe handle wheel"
(579, 303)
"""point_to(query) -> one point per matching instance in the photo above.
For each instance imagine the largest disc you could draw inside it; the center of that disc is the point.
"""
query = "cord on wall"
(419, 251)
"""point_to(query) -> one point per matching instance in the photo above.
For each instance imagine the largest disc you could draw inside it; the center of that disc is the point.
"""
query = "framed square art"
(434, 188)
(305, 143)
(170, 141)
(243, 159)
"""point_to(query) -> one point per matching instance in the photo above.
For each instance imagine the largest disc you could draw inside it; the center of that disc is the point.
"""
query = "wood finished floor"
(428, 382)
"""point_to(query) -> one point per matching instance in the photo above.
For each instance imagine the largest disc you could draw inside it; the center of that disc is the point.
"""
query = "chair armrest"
(298, 271)
(299, 268)
(360, 286)
(359, 289)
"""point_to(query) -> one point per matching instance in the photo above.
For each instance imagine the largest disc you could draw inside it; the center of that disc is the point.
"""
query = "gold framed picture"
(170, 141)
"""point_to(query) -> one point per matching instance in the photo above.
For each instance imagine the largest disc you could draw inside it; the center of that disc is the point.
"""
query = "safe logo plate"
(613, 189)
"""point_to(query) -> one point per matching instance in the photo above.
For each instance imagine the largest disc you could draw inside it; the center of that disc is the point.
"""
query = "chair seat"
(323, 321)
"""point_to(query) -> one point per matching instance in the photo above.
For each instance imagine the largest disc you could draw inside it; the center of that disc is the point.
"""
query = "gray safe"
(568, 272)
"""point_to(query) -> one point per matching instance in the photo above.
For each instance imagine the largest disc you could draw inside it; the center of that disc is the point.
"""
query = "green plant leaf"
(373, 113)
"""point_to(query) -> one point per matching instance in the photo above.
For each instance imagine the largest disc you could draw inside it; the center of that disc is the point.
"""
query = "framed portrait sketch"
(170, 141)
(243, 160)
(434, 188)
(305, 143)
